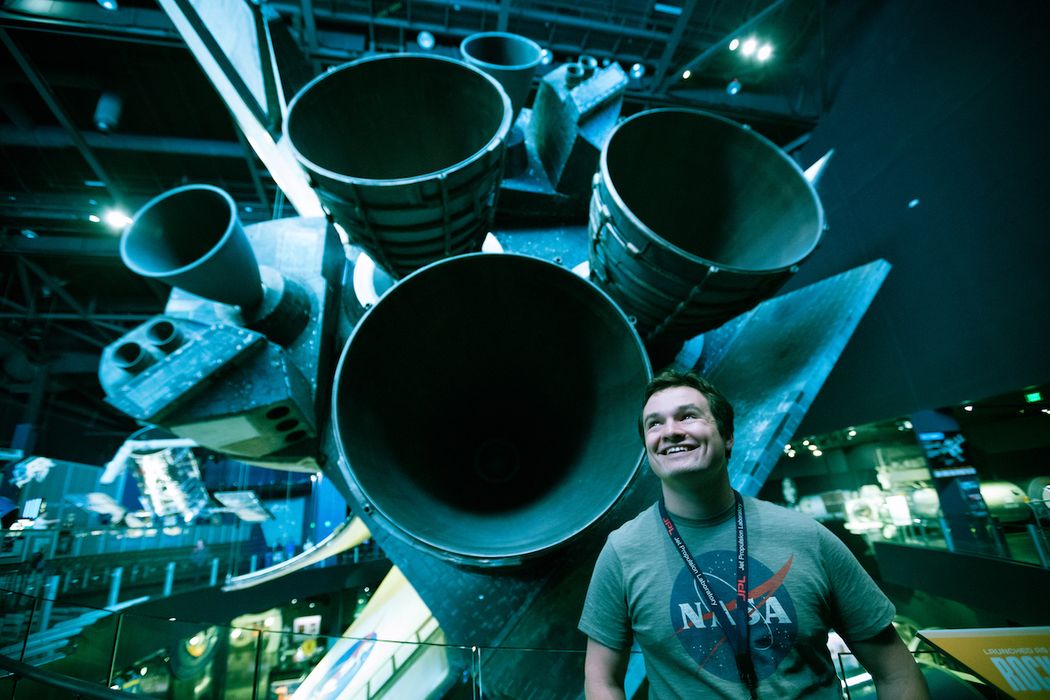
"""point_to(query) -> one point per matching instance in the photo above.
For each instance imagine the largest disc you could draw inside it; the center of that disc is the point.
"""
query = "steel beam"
(694, 64)
(504, 15)
(52, 137)
(672, 43)
(59, 291)
(231, 43)
(48, 96)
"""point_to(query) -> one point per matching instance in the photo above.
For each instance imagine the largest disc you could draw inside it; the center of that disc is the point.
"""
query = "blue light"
(425, 40)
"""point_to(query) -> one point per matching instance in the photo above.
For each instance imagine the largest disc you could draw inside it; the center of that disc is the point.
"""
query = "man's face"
(681, 436)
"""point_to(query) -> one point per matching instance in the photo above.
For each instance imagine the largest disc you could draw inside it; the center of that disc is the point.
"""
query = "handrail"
(62, 681)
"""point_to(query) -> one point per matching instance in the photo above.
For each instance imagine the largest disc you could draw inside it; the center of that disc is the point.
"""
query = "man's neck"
(698, 504)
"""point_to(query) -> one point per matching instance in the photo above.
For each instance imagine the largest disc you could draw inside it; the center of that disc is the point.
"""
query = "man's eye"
(652, 425)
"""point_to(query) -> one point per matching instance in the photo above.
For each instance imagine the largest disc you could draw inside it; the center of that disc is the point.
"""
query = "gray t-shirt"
(802, 582)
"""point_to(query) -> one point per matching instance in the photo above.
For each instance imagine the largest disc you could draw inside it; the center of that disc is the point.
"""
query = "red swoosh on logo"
(759, 594)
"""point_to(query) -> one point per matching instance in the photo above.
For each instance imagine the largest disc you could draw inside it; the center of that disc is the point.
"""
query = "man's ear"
(729, 445)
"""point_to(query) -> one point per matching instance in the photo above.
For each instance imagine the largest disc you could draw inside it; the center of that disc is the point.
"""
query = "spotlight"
(94, 218)
(765, 52)
(546, 57)
(637, 71)
(108, 4)
(116, 219)
(686, 73)
(749, 47)
(733, 87)
(425, 40)
(107, 111)
(734, 44)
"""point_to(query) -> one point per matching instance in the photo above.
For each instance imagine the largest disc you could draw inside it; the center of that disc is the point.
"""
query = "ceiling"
(65, 293)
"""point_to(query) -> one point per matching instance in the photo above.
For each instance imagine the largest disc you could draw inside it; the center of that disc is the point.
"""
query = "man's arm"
(891, 665)
(604, 671)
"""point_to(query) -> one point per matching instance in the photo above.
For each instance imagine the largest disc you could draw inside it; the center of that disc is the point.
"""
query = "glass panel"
(944, 678)
(51, 633)
(17, 611)
(162, 658)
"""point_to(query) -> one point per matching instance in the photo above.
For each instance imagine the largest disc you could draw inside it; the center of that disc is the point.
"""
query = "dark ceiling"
(935, 101)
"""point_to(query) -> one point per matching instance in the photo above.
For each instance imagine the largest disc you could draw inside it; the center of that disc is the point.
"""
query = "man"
(793, 578)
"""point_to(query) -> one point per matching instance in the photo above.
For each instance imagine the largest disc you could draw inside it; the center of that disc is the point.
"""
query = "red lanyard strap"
(740, 638)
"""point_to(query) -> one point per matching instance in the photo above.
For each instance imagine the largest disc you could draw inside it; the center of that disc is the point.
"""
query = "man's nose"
(672, 429)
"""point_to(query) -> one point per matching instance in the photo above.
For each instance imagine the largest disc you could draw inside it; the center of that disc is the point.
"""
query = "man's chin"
(690, 474)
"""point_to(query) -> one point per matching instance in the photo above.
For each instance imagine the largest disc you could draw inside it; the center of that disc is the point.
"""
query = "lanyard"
(740, 637)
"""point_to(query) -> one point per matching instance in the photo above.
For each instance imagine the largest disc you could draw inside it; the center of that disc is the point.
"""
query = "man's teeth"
(673, 450)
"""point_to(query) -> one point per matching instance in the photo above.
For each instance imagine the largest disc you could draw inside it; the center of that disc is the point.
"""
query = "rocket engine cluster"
(479, 411)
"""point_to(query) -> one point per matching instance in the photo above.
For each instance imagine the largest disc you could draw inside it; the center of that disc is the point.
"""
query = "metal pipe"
(50, 593)
(114, 586)
(169, 578)
(1040, 545)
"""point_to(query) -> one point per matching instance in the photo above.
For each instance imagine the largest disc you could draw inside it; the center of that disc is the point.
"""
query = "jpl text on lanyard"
(738, 635)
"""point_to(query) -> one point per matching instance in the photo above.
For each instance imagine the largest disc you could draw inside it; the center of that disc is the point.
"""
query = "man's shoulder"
(771, 514)
(638, 527)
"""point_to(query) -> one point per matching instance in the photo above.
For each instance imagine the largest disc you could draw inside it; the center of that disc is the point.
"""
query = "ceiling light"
(733, 87)
(94, 218)
(673, 10)
(1033, 396)
(116, 219)
(913, 203)
(108, 4)
(107, 111)
(765, 52)
(852, 432)
(637, 71)
(686, 73)
(967, 408)
(817, 453)
(425, 40)
(546, 57)
(749, 47)
(734, 44)
(907, 425)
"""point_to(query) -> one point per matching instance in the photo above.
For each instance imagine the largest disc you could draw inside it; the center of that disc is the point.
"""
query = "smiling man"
(728, 596)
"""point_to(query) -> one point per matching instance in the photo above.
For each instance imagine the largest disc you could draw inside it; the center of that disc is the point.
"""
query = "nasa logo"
(772, 618)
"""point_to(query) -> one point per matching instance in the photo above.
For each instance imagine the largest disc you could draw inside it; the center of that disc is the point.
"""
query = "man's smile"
(675, 449)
